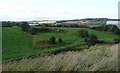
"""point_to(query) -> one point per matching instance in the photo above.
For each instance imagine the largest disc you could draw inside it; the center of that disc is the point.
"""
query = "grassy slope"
(15, 43)
(68, 37)
(19, 44)
(102, 35)
(103, 58)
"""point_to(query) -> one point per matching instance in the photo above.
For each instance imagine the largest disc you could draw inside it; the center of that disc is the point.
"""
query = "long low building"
(46, 22)
(113, 23)
(34, 23)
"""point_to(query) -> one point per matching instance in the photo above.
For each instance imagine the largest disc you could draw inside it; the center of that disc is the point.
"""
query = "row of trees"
(90, 39)
(26, 28)
(9, 24)
(52, 40)
(110, 28)
(24, 25)
(63, 25)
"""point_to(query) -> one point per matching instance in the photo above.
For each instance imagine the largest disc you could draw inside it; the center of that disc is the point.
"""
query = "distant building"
(117, 23)
(71, 22)
(112, 22)
(47, 22)
(33, 24)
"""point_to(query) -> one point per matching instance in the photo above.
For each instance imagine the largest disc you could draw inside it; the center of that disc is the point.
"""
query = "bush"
(86, 39)
(91, 40)
(33, 31)
(52, 40)
(9, 23)
(25, 26)
(116, 40)
(83, 33)
(60, 40)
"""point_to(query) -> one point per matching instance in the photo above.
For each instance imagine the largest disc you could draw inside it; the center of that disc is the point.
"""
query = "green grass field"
(102, 35)
(18, 44)
(15, 43)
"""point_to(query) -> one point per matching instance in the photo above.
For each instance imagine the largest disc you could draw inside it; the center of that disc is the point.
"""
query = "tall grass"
(97, 58)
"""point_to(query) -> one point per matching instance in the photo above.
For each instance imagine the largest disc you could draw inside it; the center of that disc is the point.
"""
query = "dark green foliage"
(86, 39)
(110, 28)
(113, 28)
(33, 31)
(52, 40)
(25, 26)
(42, 29)
(117, 31)
(91, 40)
(60, 40)
(83, 33)
(6, 24)
(9, 24)
(116, 40)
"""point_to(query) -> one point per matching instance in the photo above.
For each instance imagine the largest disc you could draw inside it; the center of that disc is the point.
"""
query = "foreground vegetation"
(97, 58)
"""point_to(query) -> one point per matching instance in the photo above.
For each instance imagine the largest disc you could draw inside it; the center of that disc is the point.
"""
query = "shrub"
(60, 40)
(33, 31)
(86, 39)
(91, 40)
(83, 33)
(25, 26)
(116, 40)
(52, 40)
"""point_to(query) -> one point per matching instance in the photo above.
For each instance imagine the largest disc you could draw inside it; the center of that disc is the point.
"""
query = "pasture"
(17, 44)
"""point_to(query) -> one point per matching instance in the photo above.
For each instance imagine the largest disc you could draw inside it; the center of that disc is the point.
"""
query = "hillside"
(17, 44)
(96, 58)
(14, 43)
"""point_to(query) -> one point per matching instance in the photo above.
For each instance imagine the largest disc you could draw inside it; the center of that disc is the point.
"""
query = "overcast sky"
(57, 9)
